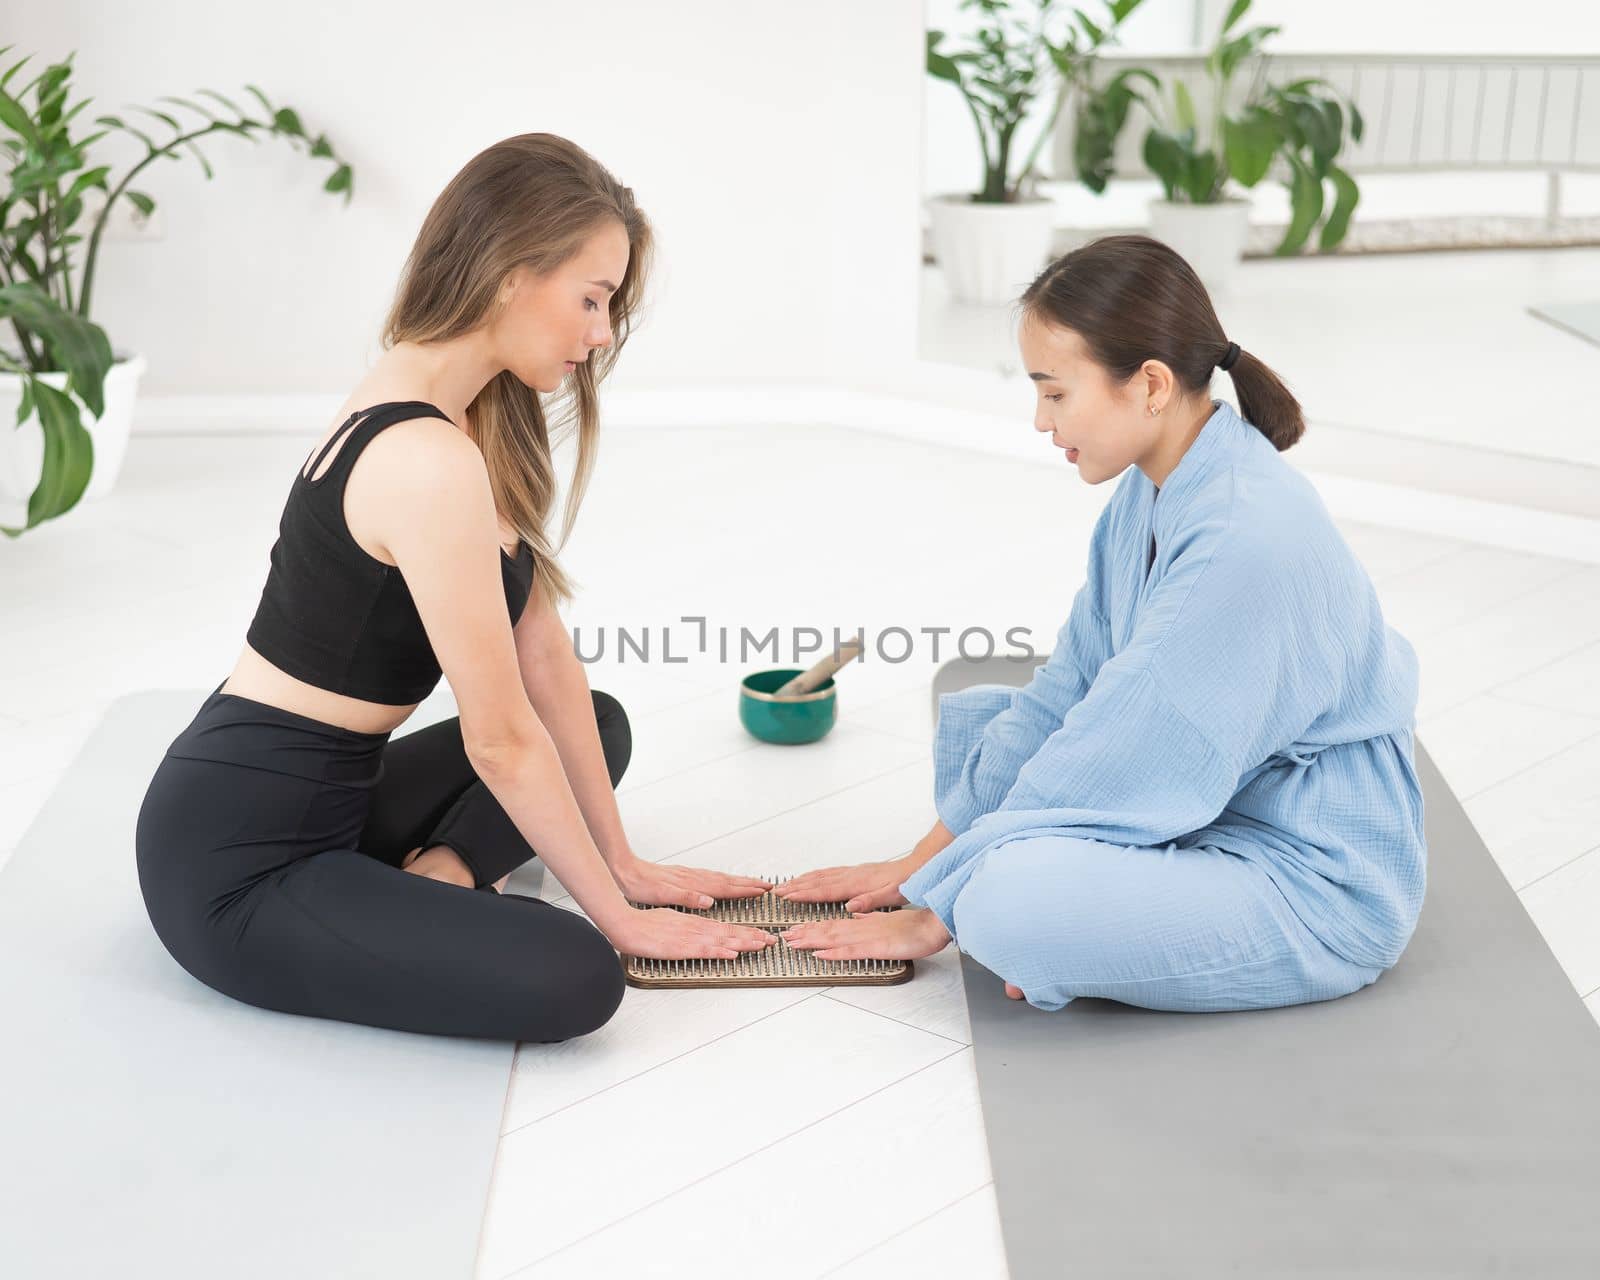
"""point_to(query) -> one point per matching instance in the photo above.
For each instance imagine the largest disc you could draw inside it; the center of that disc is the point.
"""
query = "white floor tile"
(651, 1027)
(933, 1000)
(672, 740)
(688, 809)
(1569, 684)
(1566, 907)
(644, 689)
(907, 715)
(573, 1173)
(1544, 817)
(1513, 640)
(1488, 739)
(962, 1239)
(1388, 553)
(1462, 586)
(853, 1177)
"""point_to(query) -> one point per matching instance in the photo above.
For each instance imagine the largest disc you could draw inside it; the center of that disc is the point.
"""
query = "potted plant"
(71, 398)
(989, 243)
(1302, 124)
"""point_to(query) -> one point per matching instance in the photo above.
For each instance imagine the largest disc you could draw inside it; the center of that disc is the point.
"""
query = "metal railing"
(1423, 113)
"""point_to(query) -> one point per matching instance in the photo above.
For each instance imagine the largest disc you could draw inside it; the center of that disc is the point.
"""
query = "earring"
(1154, 411)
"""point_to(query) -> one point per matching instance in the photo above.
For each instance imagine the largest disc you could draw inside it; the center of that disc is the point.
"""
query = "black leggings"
(269, 849)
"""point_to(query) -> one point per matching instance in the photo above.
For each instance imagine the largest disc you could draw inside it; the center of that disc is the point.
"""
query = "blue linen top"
(1244, 694)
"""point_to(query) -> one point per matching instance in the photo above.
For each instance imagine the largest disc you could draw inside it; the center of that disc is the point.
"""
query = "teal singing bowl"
(786, 720)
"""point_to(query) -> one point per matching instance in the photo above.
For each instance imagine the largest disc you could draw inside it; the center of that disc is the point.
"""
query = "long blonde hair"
(530, 201)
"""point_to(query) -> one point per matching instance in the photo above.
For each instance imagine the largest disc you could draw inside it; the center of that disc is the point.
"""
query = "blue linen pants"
(1194, 929)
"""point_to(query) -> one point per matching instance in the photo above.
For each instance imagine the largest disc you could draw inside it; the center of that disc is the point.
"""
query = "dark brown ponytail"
(1132, 299)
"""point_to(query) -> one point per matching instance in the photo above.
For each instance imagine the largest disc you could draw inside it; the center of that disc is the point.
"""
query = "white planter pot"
(1209, 236)
(990, 253)
(22, 449)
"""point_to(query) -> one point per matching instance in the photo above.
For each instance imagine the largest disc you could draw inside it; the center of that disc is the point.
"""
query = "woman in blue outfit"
(290, 854)
(1206, 798)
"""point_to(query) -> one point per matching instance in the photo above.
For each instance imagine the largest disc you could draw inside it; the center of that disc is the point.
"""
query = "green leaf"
(1101, 115)
(1184, 104)
(16, 118)
(67, 119)
(1202, 177)
(170, 121)
(1249, 145)
(262, 99)
(943, 68)
(15, 69)
(1240, 7)
(68, 455)
(224, 100)
(321, 148)
(286, 121)
(1164, 157)
(198, 108)
(199, 155)
(1346, 196)
(143, 203)
(88, 178)
(339, 180)
(77, 346)
(1305, 200)
(53, 78)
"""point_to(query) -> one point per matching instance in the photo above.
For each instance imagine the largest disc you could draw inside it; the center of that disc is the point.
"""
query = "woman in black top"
(290, 854)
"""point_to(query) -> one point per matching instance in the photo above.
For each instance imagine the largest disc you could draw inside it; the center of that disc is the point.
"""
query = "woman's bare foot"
(1013, 992)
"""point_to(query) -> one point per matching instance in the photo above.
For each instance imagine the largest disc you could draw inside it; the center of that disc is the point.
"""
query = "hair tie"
(1229, 357)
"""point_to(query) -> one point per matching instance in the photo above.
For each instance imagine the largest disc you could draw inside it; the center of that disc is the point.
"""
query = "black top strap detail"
(387, 413)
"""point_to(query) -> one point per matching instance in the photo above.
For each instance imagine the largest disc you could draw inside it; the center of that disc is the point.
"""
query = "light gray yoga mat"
(1442, 1122)
(152, 1127)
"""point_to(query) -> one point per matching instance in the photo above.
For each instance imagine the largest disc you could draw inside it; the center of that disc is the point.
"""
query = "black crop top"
(336, 617)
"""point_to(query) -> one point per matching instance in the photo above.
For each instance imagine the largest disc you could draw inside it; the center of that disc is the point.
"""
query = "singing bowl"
(786, 721)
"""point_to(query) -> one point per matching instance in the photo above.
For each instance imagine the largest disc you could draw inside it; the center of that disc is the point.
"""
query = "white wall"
(772, 145)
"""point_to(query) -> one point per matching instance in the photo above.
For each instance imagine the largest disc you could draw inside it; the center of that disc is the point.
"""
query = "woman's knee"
(591, 981)
(1039, 906)
(616, 734)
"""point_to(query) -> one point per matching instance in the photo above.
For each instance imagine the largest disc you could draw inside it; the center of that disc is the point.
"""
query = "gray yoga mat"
(151, 1127)
(1442, 1122)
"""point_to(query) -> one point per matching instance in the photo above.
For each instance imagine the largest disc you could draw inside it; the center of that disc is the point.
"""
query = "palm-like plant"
(46, 285)
(1304, 123)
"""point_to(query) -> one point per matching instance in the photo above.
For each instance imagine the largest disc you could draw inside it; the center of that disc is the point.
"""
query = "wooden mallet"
(808, 680)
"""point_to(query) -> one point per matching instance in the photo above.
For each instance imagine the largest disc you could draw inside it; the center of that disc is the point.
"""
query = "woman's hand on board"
(660, 884)
(872, 935)
(659, 933)
(862, 888)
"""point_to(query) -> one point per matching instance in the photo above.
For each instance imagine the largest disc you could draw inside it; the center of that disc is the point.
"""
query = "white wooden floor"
(808, 1132)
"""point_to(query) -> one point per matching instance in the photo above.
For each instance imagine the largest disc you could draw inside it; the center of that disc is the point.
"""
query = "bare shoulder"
(418, 474)
(425, 452)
